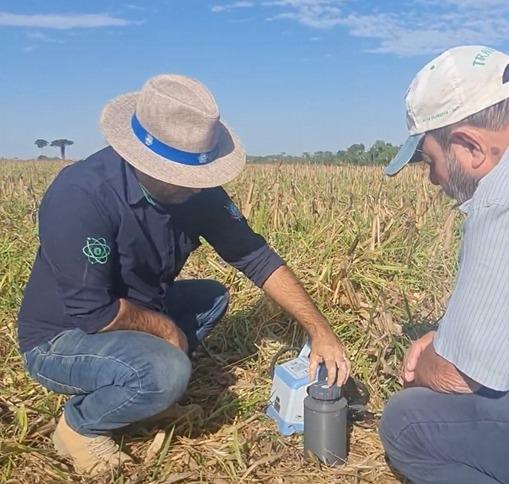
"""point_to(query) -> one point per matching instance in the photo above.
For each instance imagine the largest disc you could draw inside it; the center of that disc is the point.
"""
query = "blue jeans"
(120, 377)
(448, 439)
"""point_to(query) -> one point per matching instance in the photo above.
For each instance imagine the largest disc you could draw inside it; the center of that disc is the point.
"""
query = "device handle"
(306, 350)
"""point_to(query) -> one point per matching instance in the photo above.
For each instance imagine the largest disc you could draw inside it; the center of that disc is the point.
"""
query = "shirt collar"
(465, 206)
(134, 191)
(148, 197)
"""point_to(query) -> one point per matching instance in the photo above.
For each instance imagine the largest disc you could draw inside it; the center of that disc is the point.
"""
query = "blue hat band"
(167, 151)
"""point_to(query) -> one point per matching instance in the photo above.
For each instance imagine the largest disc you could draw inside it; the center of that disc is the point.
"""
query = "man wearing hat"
(451, 422)
(103, 319)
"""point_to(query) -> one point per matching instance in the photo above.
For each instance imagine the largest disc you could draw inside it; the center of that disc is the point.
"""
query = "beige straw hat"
(171, 131)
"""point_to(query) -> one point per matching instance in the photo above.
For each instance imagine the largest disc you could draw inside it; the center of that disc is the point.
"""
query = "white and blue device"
(289, 385)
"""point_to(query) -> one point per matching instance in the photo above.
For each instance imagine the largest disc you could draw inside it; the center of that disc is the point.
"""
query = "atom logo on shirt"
(96, 250)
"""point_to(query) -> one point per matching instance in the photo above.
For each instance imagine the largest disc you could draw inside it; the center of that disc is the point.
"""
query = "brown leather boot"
(90, 455)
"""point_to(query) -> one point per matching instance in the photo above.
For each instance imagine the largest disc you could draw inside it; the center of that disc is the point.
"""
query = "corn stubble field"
(378, 256)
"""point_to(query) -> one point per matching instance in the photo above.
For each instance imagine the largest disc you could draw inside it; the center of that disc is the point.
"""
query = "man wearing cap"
(103, 319)
(451, 422)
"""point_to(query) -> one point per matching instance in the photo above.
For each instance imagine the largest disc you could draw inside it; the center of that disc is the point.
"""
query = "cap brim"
(116, 127)
(405, 154)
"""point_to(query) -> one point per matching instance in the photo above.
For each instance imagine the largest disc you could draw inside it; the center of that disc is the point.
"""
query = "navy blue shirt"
(102, 238)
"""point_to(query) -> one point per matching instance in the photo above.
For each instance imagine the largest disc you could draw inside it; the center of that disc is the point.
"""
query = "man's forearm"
(133, 317)
(284, 288)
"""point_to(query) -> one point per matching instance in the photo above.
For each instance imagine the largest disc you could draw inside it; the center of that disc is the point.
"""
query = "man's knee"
(166, 375)
(223, 300)
(401, 428)
(220, 298)
(392, 420)
(220, 294)
(398, 425)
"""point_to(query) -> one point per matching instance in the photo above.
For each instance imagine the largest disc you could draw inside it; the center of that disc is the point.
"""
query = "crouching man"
(103, 319)
(451, 425)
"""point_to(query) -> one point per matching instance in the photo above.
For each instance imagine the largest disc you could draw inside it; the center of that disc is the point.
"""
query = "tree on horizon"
(41, 144)
(62, 143)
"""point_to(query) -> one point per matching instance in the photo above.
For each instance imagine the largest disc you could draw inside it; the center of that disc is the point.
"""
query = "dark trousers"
(120, 377)
(197, 306)
(436, 438)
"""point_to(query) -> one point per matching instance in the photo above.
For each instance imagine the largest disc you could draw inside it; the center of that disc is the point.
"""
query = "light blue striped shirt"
(474, 332)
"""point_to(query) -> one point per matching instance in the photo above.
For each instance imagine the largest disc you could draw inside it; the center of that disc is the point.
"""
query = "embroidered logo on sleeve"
(234, 211)
(96, 250)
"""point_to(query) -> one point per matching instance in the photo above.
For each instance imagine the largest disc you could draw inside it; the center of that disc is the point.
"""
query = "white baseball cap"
(457, 84)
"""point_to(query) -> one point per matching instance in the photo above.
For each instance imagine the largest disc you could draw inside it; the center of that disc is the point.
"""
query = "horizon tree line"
(380, 153)
(57, 143)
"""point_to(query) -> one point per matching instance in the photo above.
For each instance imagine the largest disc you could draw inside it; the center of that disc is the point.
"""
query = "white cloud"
(61, 21)
(409, 27)
(232, 6)
(414, 35)
(321, 14)
(132, 6)
(37, 35)
(40, 36)
(475, 4)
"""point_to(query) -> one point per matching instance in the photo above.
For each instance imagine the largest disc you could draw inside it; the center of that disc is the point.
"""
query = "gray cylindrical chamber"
(325, 429)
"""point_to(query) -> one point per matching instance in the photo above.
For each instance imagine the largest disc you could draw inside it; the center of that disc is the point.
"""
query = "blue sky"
(288, 75)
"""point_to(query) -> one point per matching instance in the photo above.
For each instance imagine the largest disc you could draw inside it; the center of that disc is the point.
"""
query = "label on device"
(298, 368)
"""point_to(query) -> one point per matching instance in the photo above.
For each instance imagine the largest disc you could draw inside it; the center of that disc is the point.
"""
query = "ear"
(469, 147)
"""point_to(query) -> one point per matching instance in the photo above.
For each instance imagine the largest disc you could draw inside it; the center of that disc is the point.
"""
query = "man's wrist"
(134, 317)
(320, 329)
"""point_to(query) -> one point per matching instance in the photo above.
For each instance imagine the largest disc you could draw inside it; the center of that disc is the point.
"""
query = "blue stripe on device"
(168, 152)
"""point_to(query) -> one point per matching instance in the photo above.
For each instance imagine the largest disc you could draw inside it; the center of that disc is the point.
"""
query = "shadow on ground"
(415, 331)
(229, 353)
